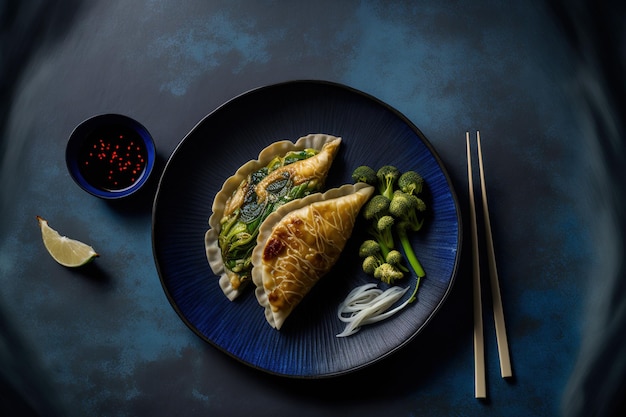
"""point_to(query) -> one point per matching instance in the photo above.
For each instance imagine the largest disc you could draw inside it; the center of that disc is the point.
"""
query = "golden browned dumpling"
(284, 172)
(299, 243)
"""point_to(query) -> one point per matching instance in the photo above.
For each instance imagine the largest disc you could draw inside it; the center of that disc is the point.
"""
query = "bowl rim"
(82, 131)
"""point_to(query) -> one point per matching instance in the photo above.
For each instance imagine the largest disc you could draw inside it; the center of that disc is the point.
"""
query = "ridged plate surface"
(306, 347)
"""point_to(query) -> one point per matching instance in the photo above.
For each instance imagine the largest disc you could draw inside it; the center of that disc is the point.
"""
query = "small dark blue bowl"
(110, 155)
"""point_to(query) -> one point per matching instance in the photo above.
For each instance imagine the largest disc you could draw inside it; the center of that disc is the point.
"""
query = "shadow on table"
(25, 27)
(596, 34)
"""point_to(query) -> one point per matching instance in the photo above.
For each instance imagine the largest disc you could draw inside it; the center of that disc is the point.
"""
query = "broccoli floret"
(387, 176)
(371, 251)
(370, 264)
(387, 273)
(377, 207)
(375, 210)
(394, 211)
(372, 255)
(383, 232)
(365, 174)
(411, 182)
(369, 248)
(395, 258)
(385, 222)
(408, 208)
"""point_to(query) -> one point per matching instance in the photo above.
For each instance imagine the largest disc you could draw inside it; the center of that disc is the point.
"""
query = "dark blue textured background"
(104, 340)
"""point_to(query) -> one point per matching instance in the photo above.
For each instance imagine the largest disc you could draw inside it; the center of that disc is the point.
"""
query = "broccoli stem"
(388, 191)
(410, 255)
(414, 293)
(384, 249)
(413, 261)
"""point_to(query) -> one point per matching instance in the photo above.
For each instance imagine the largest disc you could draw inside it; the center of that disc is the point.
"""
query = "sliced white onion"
(368, 304)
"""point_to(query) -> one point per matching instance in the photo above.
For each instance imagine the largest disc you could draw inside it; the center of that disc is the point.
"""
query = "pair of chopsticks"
(480, 389)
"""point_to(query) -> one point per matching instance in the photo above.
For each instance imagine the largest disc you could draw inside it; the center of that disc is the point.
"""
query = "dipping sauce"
(112, 158)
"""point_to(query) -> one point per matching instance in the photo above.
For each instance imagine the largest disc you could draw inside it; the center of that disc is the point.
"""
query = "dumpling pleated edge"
(268, 226)
(212, 249)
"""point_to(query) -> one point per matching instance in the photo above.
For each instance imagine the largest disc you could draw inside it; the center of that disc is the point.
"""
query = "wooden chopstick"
(498, 311)
(480, 386)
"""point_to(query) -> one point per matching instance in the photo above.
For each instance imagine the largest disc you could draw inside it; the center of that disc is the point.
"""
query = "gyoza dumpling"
(299, 243)
(284, 171)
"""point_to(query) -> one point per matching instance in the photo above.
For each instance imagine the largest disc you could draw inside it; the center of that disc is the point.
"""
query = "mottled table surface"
(104, 340)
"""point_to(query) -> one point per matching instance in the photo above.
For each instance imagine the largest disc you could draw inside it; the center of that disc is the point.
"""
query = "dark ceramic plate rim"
(364, 96)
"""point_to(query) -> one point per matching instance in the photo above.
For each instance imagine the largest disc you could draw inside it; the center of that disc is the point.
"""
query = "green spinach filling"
(239, 230)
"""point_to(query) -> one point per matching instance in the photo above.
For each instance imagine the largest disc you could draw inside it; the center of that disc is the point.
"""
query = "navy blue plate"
(306, 347)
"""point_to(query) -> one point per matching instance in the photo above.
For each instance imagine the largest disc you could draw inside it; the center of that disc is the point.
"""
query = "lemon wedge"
(68, 252)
